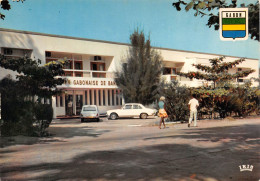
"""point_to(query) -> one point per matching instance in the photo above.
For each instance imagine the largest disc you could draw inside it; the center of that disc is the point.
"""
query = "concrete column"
(92, 95)
(97, 97)
(101, 97)
(54, 106)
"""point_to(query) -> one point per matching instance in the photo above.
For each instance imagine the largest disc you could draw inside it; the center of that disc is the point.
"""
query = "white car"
(131, 110)
(89, 112)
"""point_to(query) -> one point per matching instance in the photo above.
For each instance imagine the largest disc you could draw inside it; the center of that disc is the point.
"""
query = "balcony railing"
(91, 73)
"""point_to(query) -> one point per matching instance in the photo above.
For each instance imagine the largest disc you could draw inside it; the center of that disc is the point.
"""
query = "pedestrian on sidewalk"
(162, 113)
(193, 104)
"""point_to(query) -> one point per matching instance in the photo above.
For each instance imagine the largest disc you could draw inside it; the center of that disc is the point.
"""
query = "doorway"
(69, 104)
(79, 103)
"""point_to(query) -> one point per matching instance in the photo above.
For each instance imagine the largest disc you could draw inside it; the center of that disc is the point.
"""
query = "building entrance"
(79, 103)
(69, 104)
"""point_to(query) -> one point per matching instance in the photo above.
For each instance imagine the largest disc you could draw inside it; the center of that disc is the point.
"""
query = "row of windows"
(56, 55)
(132, 107)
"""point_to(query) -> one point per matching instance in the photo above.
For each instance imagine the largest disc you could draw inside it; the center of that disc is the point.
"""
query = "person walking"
(70, 108)
(193, 104)
(162, 113)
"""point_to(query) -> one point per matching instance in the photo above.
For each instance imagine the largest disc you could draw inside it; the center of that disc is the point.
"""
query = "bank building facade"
(92, 63)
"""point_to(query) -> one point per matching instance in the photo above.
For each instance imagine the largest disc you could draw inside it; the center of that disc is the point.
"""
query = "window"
(8, 51)
(166, 71)
(98, 66)
(128, 107)
(78, 65)
(48, 54)
(94, 66)
(61, 101)
(68, 65)
(169, 71)
(96, 58)
(90, 108)
(137, 107)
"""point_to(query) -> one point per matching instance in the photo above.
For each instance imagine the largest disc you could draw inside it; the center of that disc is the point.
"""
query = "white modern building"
(92, 63)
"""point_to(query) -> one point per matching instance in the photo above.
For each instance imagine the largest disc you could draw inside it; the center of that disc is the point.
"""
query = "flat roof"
(110, 42)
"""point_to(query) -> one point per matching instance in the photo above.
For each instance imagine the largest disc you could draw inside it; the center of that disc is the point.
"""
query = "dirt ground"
(135, 149)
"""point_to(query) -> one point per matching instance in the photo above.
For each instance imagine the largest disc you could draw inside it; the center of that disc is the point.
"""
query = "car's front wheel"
(82, 120)
(113, 116)
(143, 116)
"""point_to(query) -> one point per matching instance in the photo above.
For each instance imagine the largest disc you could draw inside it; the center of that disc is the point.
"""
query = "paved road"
(134, 149)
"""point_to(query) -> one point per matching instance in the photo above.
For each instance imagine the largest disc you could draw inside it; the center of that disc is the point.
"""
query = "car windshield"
(89, 108)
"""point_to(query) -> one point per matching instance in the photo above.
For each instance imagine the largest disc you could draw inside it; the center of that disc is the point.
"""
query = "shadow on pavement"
(69, 132)
(57, 134)
(160, 162)
(25, 140)
(234, 133)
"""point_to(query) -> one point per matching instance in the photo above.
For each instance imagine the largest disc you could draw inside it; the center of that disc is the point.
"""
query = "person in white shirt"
(193, 104)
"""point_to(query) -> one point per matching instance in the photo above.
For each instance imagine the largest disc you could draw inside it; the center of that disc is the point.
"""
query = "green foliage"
(223, 97)
(177, 98)
(5, 5)
(139, 76)
(217, 72)
(34, 79)
(228, 99)
(43, 115)
(19, 110)
(208, 7)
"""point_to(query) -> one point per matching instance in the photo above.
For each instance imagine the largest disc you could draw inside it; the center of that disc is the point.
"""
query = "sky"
(115, 20)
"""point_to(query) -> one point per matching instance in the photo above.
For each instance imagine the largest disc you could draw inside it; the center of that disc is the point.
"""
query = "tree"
(218, 71)
(218, 74)
(20, 110)
(5, 5)
(177, 98)
(139, 76)
(207, 8)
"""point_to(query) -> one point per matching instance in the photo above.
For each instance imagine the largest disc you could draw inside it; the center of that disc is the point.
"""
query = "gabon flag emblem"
(233, 23)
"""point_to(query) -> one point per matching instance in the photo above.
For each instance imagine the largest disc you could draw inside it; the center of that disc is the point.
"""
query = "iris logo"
(233, 23)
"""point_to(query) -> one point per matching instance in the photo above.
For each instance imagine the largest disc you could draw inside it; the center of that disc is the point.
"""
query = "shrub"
(177, 98)
(43, 116)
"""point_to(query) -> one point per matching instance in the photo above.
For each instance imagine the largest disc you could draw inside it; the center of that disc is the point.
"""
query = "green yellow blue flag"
(233, 23)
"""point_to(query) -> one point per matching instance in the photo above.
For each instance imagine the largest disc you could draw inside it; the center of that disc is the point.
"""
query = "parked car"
(89, 112)
(131, 110)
